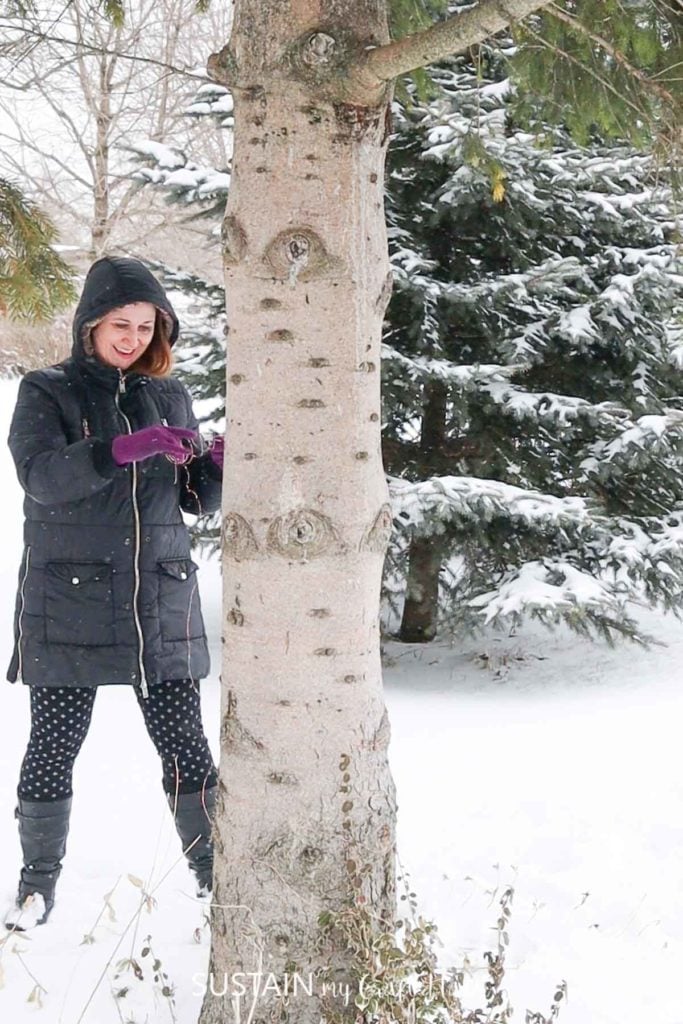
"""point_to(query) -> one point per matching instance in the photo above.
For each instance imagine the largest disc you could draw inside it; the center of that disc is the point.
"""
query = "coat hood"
(117, 281)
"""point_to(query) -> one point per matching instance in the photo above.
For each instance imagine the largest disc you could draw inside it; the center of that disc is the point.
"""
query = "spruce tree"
(533, 410)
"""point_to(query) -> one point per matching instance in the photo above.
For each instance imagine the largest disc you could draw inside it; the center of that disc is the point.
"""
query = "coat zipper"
(136, 560)
(20, 665)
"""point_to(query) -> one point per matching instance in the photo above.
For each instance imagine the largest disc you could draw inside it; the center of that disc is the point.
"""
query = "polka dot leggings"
(60, 717)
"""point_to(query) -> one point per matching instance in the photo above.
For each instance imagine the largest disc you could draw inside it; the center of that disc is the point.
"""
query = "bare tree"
(78, 89)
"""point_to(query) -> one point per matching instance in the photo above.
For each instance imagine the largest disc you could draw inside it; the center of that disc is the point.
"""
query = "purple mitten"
(156, 440)
(217, 451)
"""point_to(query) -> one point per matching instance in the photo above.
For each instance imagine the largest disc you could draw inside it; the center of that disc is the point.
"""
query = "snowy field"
(539, 761)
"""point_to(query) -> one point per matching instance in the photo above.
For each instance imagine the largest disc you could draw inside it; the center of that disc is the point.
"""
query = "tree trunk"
(306, 809)
(306, 812)
(100, 229)
(421, 608)
(420, 611)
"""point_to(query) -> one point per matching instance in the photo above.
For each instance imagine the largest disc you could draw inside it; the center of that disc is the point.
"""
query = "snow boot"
(193, 815)
(43, 828)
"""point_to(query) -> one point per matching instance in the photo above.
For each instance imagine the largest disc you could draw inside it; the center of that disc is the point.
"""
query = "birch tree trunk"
(306, 810)
(306, 813)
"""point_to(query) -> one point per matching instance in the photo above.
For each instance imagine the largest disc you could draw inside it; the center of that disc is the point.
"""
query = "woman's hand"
(156, 440)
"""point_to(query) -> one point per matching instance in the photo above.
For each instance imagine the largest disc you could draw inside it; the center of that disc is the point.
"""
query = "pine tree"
(533, 415)
(34, 279)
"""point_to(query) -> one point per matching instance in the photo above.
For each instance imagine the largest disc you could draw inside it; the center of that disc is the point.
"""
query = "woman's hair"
(157, 359)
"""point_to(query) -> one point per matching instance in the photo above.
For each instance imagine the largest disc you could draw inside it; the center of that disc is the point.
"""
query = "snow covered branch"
(427, 504)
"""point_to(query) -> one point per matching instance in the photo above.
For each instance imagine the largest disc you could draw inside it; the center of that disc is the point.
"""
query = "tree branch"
(446, 38)
(604, 82)
(67, 168)
(39, 77)
(88, 48)
(650, 84)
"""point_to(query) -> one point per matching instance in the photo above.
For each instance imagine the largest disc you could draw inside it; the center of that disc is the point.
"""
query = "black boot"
(43, 828)
(193, 814)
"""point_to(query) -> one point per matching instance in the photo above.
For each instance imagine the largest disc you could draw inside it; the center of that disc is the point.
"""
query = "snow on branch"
(172, 170)
(646, 433)
(420, 368)
(163, 156)
(674, 337)
(657, 542)
(215, 100)
(557, 409)
(543, 277)
(549, 586)
(429, 504)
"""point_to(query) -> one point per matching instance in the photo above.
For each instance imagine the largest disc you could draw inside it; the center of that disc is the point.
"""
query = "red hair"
(157, 359)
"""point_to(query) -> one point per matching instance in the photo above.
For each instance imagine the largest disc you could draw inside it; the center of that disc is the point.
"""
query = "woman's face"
(124, 334)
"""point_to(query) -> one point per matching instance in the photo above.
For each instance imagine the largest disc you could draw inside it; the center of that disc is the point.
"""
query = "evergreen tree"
(604, 64)
(533, 410)
(34, 280)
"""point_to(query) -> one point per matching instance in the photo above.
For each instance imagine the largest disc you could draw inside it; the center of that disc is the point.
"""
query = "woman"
(107, 450)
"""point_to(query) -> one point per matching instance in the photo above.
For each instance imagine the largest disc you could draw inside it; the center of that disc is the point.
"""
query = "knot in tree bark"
(302, 533)
(377, 537)
(222, 66)
(324, 58)
(239, 541)
(298, 248)
(318, 49)
(234, 240)
(299, 254)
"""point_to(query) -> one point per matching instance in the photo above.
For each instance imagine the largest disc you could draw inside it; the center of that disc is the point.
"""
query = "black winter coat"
(107, 588)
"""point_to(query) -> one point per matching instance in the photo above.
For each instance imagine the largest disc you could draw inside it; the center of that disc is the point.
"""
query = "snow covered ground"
(539, 760)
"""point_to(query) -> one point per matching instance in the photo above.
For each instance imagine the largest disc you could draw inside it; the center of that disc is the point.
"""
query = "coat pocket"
(79, 605)
(180, 616)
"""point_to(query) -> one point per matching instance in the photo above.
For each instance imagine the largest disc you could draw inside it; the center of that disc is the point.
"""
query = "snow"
(28, 914)
(427, 504)
(177, 173)
(421, 366)
(164, 155)
(563, 409)
(530, 588)
(675, 344)
(578, 323)
(538, 760)
(552, 766)
(215, 182)
(214, 99)
(182, 178)
(645, 431)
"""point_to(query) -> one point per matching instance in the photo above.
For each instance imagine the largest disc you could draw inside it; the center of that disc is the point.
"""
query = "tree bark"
(306, 809)
(100, 229)
(451, 36)
(420, 611)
